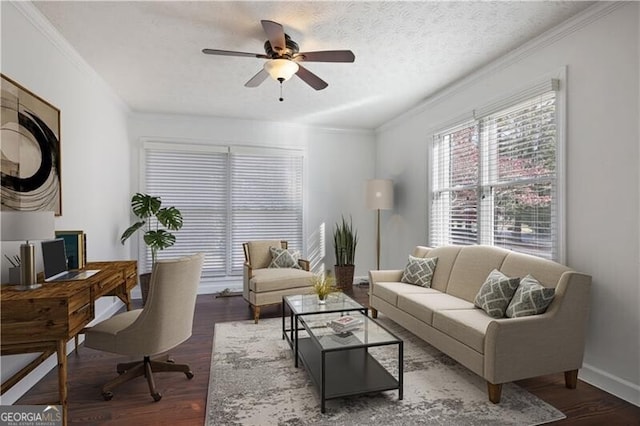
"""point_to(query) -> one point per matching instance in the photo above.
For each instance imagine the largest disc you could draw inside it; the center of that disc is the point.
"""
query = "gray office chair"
(164, 322)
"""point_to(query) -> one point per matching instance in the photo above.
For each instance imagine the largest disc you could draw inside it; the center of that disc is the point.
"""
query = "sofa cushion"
(446, 258)
(467, 326)
(531, 298)
(471, 267)
(389, 291)
(419, 271)
(271, 279)
(283, 258)
(422, 306)
(496, 293)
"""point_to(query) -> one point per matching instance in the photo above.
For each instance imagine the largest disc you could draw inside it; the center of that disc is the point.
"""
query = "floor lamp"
(26, 226)
(379, 197)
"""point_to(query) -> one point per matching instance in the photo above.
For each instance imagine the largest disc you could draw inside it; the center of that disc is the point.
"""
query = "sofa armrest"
(389, 275)
(304, 264)
(542, 344)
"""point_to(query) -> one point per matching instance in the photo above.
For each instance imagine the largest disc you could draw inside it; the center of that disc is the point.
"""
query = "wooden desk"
(45, 319)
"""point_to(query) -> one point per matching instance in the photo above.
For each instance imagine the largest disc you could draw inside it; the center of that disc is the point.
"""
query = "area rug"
(254, 382)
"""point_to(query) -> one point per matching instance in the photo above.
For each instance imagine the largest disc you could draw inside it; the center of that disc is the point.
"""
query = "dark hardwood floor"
(184, 401)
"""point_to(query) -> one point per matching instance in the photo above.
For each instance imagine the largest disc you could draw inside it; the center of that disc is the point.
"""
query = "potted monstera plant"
(156, 222)
(345, 240)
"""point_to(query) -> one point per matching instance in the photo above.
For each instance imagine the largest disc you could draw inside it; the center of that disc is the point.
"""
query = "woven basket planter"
(344, 276)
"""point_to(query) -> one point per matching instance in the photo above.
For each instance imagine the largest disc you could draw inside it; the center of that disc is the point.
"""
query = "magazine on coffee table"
(344, 323)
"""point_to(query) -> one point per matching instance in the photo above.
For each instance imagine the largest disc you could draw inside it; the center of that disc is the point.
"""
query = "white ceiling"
(150, 52)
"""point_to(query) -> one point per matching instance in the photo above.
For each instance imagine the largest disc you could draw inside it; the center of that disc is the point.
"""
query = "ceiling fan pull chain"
(281, 98)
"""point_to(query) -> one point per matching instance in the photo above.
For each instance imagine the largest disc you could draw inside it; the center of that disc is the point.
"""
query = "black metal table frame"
(364, 347)
(292, 340)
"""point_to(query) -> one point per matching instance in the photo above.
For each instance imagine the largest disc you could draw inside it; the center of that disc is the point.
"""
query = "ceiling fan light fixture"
(281, 69)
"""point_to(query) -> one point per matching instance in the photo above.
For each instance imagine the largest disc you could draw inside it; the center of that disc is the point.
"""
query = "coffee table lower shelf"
(347, 372)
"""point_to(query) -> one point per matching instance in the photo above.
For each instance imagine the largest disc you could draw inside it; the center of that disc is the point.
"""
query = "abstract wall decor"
(30, 151)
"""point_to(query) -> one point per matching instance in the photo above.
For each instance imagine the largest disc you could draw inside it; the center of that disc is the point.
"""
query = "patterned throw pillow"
(419, 271)
(531, 298)
(283, 258)
(496, 293)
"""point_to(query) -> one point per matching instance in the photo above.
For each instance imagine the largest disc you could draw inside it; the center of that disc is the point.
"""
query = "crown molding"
(142, 115)
(568, 27)
(42, 24)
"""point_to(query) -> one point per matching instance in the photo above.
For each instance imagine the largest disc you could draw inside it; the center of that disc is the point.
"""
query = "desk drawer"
(108, 285)
(37, 320)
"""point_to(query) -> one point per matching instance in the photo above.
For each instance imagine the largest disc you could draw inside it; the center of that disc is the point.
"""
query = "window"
(227, 196)
(495, 181)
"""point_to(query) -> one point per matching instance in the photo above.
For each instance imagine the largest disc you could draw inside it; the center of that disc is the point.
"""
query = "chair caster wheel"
(156, 396)
(107, 395)
(189, 375)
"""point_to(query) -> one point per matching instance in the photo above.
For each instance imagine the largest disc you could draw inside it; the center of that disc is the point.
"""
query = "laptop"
(54, 258)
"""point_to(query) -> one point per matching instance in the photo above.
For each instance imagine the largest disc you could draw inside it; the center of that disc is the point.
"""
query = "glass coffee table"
(308, 304)
(340, 364)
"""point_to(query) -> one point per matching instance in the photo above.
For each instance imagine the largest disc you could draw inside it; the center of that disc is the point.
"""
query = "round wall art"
(30, 151)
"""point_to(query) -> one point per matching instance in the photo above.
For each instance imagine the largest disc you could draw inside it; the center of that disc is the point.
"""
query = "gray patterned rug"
(253, 382)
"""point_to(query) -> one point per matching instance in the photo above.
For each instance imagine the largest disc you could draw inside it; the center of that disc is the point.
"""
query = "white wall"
(337, 163)
(94, 145)
(602, 164)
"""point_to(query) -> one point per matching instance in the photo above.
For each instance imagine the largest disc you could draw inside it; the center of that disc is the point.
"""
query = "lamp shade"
(25, 226)
(379, 194)
(281, 69)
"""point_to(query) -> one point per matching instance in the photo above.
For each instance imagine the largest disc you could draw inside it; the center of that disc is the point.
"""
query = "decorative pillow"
(283, 258)
(531, 298)
(419, 271)
(496, 293)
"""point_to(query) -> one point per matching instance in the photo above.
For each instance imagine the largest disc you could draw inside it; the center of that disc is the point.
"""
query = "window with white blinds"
(266, 201)
(495, 180)
(226, 198)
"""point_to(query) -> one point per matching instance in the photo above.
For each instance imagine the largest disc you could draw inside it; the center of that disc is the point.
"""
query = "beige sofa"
(500, 350)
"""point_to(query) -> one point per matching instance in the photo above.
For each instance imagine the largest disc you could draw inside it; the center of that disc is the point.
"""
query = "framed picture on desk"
(75, 246)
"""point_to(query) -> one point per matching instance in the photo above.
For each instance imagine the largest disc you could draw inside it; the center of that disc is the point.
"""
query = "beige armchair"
(263, 285)
(163, 323)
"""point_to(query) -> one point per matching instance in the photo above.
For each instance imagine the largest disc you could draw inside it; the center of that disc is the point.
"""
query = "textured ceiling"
(150, 52)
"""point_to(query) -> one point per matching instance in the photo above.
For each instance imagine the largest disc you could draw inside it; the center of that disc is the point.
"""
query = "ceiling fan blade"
(326, 56)
(275, 34)
(311, 79)
(257, 79)
(232, 53)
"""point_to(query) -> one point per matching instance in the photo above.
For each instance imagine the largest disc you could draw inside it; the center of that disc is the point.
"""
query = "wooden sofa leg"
(571, 379)
(495, 392)
(256, 314)
(374, 313)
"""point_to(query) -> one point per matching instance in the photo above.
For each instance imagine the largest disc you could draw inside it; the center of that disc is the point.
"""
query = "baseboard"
(614, 385)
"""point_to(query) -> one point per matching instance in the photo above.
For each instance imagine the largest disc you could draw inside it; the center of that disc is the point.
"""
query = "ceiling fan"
(283, 58)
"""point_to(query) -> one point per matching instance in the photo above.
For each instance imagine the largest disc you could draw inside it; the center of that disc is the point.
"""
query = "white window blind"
(494, 180)
(266, 201)
(226, 198)
(196, 184)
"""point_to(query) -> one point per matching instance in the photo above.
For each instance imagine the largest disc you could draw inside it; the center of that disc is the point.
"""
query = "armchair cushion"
(258, 252)
(274, 279)
(283, 258)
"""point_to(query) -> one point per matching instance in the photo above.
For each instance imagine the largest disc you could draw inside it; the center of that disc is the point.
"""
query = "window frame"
(176, 144)
(554, 81)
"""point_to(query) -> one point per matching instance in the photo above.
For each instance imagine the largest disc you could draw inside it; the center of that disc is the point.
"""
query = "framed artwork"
(75, 247)
(30, 151)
